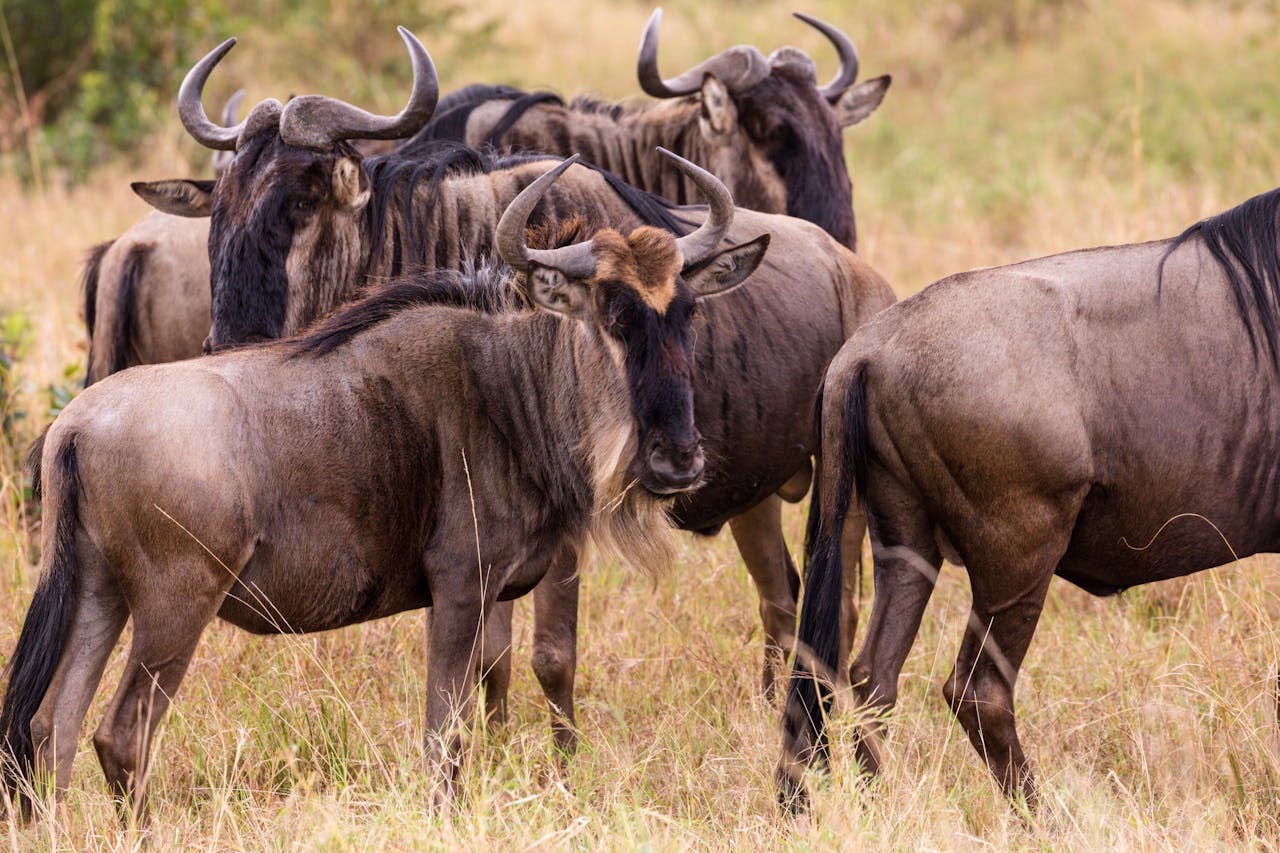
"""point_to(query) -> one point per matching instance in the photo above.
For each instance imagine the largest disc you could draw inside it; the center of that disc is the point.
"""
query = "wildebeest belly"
(1125, 539)
(308, 588)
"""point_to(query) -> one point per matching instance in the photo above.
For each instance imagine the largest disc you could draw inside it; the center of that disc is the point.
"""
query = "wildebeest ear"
(178, 197)
(727, 269)
(861, 100)
(719, 115)
(551, 289)
(350, 184)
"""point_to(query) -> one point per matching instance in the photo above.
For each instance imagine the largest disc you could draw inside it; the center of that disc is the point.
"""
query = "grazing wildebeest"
(1107, 416)
(300, 222)
(762, 125)
(433, 445)
(146, 293)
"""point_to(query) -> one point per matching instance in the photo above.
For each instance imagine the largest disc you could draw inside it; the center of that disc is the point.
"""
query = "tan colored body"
(151, 295)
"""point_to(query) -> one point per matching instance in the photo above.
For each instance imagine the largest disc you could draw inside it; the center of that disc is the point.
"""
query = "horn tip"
(676, 158)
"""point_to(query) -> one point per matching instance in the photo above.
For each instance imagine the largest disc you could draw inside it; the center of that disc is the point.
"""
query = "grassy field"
(1012, 130)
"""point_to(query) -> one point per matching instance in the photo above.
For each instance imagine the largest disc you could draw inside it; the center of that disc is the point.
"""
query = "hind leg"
(980, 688)
(1010, 576)
(98, 618)
(758, 535)
(906, 563)
(168, 618)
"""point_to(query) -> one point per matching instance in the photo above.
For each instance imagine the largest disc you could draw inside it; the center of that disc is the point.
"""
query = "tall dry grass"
(1011, 130)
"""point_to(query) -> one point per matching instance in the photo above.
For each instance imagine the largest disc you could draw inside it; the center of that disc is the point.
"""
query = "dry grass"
(1012, 130)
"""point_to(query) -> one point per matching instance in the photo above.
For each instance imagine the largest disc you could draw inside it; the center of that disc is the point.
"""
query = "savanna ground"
(1012, 130)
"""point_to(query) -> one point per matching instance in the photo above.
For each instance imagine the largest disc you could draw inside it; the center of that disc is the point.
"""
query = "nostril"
(681, 465)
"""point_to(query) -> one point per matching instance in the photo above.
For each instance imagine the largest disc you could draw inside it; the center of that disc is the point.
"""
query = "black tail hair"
(34, 454)
(44, 631)
(809, 697)
(89, 285)
(122, 324)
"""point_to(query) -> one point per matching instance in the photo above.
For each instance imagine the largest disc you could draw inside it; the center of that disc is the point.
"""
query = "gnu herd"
(440, 359)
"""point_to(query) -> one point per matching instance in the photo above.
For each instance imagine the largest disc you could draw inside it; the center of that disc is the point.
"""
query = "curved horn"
(575, 261)
(191, 110)
(222, 159)
(739, 67)
(848, 57)
(696, 247)
(233, 106)
(316, 121)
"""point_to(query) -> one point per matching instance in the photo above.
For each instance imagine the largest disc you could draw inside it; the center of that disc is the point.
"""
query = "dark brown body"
(1086, 415)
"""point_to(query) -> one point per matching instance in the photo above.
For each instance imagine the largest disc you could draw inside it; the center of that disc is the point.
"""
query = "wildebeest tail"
(131, 271)
(89, 287)
(31, 668)
(817, 650)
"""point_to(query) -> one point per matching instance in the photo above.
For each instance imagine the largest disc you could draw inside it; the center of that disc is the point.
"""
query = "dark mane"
(396, 177)
(652, 208)
(452, 112)
(1246, 244)
(482, 287)
(455, 109)
(598, 106)
(516, 111)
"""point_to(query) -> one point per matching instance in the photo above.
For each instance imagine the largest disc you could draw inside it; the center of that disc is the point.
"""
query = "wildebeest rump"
(331, 479)
(762, 125)
(298, 230)
(146, 293)
(1109, 416)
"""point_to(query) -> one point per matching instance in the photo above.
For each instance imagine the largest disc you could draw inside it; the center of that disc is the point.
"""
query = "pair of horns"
(314, 121)
(577, 260)
(740, 67)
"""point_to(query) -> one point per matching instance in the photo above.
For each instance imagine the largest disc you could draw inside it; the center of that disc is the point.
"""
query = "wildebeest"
(761, 124)
(146, 293)
(300, 222)
(432, 445)
(1107, 416)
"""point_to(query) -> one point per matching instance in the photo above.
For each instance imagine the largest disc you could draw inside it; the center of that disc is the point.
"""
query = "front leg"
(454, 649)
(555, 644)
